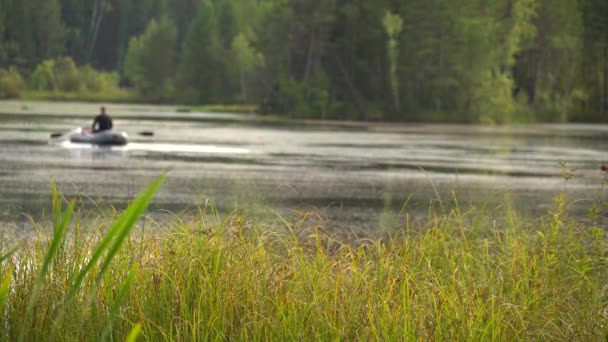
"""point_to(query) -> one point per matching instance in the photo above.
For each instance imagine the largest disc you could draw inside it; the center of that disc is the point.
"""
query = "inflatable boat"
(108, 137)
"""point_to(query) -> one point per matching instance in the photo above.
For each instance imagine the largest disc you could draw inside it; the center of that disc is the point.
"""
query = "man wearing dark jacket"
(102, 121)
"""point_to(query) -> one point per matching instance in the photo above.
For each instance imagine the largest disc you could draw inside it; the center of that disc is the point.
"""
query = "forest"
(480, 61)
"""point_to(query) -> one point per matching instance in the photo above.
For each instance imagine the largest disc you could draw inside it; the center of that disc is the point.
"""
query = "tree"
(547, 70)
(201, 66)
(128, 19)
(516, 29)
(393, 24)
(226, 22)
(183, 12)
(248, 61)
(3, 19)
(595, 46)
(150, 61)
(33, 31)
(295, 48)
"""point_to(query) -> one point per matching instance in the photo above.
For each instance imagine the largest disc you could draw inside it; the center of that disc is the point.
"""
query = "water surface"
(357, 175)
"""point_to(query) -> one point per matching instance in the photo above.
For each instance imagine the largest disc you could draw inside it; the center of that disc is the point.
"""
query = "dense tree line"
(456, 60)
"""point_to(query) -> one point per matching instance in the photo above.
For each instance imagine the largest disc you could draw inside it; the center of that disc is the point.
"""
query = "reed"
(458, 276)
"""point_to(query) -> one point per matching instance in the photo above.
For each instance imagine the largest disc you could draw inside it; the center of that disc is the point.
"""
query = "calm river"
(356, 176)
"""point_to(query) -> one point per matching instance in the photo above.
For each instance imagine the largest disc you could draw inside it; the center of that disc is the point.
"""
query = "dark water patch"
(309, 156)
(312, 160)
(189, 158)
(23, 142)
(420, 147)
(291, 160)
(38, 118)
(409, 164)
(355, 145)
(378, 166)
(25, 129)
(136, 138)
(93, 162)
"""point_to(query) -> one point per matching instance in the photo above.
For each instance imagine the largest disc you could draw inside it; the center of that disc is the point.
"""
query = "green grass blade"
(4, 287)
(117, 233)
(8, 254)
(134, 333)
(58, 238)
(131, 215)
(122, 295)
(56, 204)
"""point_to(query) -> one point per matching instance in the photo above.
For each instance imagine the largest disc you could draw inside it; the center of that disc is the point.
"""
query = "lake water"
(357, 176)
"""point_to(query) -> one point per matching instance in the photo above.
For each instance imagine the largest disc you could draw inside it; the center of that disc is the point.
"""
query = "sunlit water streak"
(160, 147)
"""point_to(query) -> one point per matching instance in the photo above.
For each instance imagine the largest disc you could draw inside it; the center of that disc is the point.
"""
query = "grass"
(459, 276)
(233, 108)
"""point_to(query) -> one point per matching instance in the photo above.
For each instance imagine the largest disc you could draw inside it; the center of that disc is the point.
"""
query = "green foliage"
(11, 83)
(64, 76)
(150, 61)
(33, 31)
(550, 69)
(248, 61)
(226, 21)
(43, 77)
(595, 59)
(310, 99)
(90, 80)
(202, 69)
(393, 25)
(300, 84)
(491, 61)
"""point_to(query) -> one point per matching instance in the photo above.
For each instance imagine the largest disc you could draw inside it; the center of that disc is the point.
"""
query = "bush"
(90, 79)
(108, 80)
(11, 83)
(43, 77)
(62, 75)
(67, 75)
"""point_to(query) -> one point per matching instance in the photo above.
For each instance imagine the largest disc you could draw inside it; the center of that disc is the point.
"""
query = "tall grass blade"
(58, 238)
(4, 287)
(134, 333)
(435, 190)
(8, 254)
(135, 210)
(56, 203)
(118, 232)
(124, 290)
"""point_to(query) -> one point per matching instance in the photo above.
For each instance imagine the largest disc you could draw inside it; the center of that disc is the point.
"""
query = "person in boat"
(102, 121)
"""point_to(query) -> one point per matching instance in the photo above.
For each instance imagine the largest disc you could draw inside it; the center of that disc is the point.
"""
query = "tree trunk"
(243, 85)
(309, 57)
(96, 18)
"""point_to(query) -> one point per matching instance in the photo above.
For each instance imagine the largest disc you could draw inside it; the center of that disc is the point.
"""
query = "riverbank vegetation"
(457, 276)
(416, 60)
